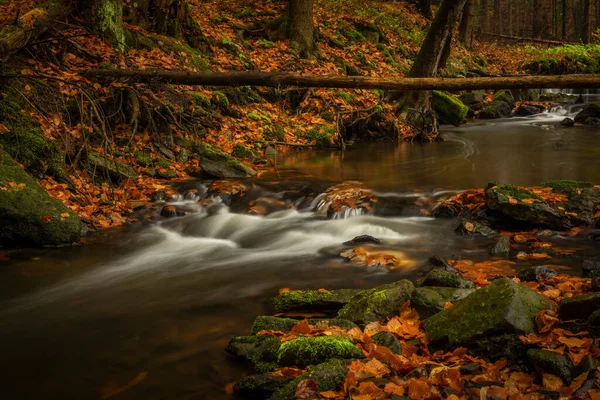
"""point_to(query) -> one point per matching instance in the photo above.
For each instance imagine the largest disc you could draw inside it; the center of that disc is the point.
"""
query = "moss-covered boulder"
(268, 323)
(473, 228)
(260, 386)
(500, 308)
(377, 304)
(28, 215)
(261, 351)
(109, 168)
(504, 96)
(501, 247)
(450, 109)
(495, 109)
(591, 111)
(442, 278)
(215, 162)
(430, 300)
(551, 362)
(387, 339)
(328, 376)
(579, 307)
(313, 300)
(523, 205)
(313, 350)
(471, 98)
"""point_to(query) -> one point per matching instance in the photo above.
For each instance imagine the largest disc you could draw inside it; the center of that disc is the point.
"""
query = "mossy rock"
(442, 278)
(29, 216)
(241, 151)
(505, 96)
(377, 304)
(313, 300)
(566, 186)
(167, 174)
(579, 307)
(591, 111)
(472, 228)
(260, 386)
(387, 339)
(523, 205)
(215, 162)
(501, 247)
(261, 351)
(109, 168)
(594, 318)
(304, 351)
(472, 97)
(495, 109)
(268, 323)
(551, 362)
(328, 376)
(450, 110)
(538, 273)
(503, 307)
(143, 158)
(430, 300)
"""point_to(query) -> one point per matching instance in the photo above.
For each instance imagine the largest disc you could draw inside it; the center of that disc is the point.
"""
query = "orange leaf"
(46, 219)
(302, 327)
(552, 382)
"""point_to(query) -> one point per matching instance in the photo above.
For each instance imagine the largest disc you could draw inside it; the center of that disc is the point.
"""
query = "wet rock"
(304, 351)
(440, 262)
(525, 110)
(215, 162)
(589, 266)
(443, 278)
(550, 362)
(182, 156)
(502, 247)
(377, 304)
(167, 174)
(268, 323)
(241, 151)
(591, 111)
(579, 307)
(504, 96)
(495, 110)
(28, 215)
(314, 300)
(387, 339)
(525, 94)
(449, 109)
(472, 97)
(328, 376)
(567, 122)
(473, 228)
(594, 318)
(260, 386)
(159, 196)
(592, 121)
(261, 351)
(539, 273)
(523, 205)
(363, 239)
(171, 212)
(108, 167)
(430, 300)
(503, 307)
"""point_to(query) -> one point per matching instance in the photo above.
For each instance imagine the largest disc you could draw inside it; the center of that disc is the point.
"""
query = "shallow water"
(144, 312)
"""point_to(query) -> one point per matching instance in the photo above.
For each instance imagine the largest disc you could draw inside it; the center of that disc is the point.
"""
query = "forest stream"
(145, 311)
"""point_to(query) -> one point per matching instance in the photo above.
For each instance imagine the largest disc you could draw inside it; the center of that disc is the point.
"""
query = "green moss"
(26, 142)
(276, 132)
(305, 351)
(321, 134)
(348, 98)
(328, 116)
(162, 163)
(241, 151)
(220, 99)
(505, 96)
(329, 376)
(518, 193)
(199, 99)
(449, 108)
(566, 185)
(142, 158)
(258, 350)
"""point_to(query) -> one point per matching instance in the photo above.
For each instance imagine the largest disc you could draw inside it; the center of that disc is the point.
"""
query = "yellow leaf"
(512, 200)
(65, 215)
(551, 382)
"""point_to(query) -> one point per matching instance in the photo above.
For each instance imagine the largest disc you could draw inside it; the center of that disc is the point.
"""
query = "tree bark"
(466, 25)
(105, 18)
(301, 27)
(278, 79)
(29, 26)
(586, 28)
(564, 20)
(484, 16)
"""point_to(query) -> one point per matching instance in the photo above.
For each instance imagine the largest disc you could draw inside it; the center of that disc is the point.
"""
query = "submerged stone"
(313, 300)
(377, 304)
(428, 301)
(500, 308)
(28, 215)
(579, 307)
(443, 278)
(363, 239)
(305, 351)
(567, 122)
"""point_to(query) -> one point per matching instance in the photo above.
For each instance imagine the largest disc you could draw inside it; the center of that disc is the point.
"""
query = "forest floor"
(135, 124)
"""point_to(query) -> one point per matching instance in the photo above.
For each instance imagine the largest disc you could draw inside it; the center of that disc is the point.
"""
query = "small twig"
(293, 144)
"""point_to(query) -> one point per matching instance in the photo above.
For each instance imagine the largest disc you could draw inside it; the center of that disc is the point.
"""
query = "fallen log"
(279, 79)
(528, 39)
(32, 24)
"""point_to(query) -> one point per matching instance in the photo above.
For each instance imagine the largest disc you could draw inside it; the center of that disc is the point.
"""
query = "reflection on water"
(156, 304)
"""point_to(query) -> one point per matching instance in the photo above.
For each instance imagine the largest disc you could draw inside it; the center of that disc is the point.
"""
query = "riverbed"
(144, 311)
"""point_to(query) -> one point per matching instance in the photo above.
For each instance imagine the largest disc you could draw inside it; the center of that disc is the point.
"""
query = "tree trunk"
(484, 16)
(301, 27)
(105, 18)
(16, 36)
(424, 7)
(277, 79)
(466, 25)
(564, 20)
(586, 28)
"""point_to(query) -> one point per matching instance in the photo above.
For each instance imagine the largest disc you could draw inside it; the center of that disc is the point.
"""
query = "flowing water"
(144, 312)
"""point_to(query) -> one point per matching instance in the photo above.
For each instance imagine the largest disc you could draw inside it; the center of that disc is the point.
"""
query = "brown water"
(144, 312)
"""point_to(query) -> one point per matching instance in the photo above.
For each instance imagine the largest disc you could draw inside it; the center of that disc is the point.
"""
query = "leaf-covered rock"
(377, 304)
(268, 323)
(328, 376)
(502, 307)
